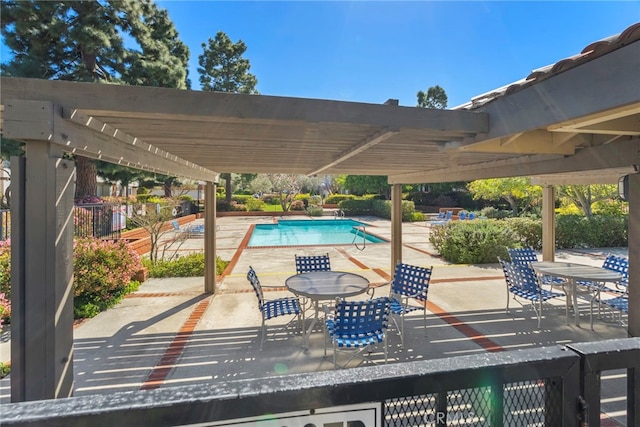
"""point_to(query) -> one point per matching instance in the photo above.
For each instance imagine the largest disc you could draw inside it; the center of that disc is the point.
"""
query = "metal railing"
(546, 386)
(101, 220)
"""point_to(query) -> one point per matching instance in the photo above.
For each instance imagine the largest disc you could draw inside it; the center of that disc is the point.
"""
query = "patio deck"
(170, 333)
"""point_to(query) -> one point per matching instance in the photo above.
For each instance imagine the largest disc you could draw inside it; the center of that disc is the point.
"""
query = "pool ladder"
(360, 229)
(338, 214)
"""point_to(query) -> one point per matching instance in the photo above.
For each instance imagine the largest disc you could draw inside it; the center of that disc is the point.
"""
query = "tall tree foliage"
(368, 184)
(223, 69)
(85, 41)
(513, 190)
(584, 196)
(435, 97)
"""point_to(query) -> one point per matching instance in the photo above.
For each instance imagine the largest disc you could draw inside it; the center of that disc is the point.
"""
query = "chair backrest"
(440, 215)
(522, 255)
(448, 215)
(462, 215)
(307, 263)
(252, 277)
(471, 215)
(618, 264)
(175, 224)
(520, 276)
(359, 319)
(411, 280)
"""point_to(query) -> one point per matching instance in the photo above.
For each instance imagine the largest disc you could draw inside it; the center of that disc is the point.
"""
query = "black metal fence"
(547, 386)
(101, 220)
(5, 224)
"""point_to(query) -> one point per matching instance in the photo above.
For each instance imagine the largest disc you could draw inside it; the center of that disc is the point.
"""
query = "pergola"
(577, 121)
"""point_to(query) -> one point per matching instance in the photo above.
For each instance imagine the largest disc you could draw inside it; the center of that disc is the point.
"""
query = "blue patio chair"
(308, 263)
(462, 215)
(188, 231)
(471, 215)
(616, 263)
(273, 308)
(522, 282)
(619, 304)
(525, 256)
(408, 293)
(356, 326)
(444, 220)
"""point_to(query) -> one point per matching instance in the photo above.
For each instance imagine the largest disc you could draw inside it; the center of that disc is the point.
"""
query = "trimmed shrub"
(241, 198)
(334, 199)
(238, 207)
(473, 242)
(254, 205)
(382, 209)
(304, 197)
(314, 210)
(297, 205)
(528, 231)
(417, 216)
(222, 205)
(491, 212)
(5, 310)
(187, 266)
(356, 206)
(599, 231)
(5, 268)
(379, 208)
(102, 274)
(271, 199)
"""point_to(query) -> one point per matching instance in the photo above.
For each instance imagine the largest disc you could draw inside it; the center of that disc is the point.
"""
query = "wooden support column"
(42, 274)
(210, 238)
(548, 223)
(396, 225)
(634, 255)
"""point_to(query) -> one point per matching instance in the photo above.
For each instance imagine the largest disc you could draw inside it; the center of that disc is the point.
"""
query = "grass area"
(272, 208)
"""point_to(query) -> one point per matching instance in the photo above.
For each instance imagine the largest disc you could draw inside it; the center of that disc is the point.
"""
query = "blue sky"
(370, 51)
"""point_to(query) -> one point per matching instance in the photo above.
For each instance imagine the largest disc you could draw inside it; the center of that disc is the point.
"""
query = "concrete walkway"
(170, 333)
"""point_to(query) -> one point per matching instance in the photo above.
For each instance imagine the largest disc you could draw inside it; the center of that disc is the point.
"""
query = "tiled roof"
(590, 52)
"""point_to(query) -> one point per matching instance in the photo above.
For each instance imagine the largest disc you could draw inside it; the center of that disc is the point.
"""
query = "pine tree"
(83, 41)
(223, 69)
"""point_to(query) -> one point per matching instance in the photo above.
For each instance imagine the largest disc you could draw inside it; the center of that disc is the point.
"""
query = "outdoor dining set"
(538, 282)
(350, 324)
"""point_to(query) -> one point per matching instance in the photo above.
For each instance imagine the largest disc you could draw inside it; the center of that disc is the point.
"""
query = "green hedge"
(337, 198)
(255, 205)
(356, 207)
(481, 241)
(190, 265)
(473, 242)
(379, 208)
(598, 231)
(527, 231)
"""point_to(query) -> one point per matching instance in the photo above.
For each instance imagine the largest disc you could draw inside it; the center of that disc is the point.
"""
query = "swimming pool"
(309, 232)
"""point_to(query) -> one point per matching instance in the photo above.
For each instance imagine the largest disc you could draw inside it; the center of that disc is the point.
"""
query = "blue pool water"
(308, 232)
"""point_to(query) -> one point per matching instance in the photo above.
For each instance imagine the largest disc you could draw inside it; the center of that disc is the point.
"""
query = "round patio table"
(574, 273)
(325, 285)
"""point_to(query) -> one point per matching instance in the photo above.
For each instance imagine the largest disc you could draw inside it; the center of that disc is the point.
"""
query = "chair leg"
(385, 348)
(402, 330)
(263, 335)
(539, 312)
(424, 318)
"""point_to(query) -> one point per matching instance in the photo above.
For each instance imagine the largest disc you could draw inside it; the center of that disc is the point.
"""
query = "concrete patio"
(170, 333)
